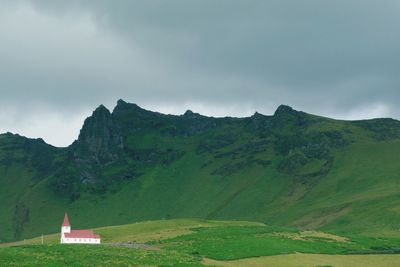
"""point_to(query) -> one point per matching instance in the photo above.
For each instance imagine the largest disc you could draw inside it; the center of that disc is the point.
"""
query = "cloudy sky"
(61, 59)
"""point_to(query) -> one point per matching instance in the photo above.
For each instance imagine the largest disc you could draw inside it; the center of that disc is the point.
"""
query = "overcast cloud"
(61, 59)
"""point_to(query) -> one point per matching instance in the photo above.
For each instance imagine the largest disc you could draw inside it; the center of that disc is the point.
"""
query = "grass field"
(312, 260)
(190, 242)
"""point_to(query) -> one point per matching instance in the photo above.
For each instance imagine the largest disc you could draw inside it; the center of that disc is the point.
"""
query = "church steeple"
(66, 221)
(65, 227)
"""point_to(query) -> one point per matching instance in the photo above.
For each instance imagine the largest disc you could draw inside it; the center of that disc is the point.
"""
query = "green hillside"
(129, 165)
(190, 242)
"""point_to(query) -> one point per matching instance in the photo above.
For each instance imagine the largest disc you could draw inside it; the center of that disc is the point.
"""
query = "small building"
(69, 236)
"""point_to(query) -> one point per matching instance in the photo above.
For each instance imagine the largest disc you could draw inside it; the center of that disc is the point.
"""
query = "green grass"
(149, 231)
(69, 255)
(312, 260)
(189, 242)
(230, 243)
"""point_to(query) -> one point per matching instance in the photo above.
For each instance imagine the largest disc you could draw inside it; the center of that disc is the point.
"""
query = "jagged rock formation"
(99, 141)
(147, 165)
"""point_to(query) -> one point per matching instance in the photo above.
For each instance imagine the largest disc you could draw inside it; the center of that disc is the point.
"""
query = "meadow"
(190, 242)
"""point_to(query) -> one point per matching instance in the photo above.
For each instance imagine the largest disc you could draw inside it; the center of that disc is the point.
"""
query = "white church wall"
(67, 240)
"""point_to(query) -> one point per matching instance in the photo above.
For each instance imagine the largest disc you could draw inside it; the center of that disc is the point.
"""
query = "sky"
(59, 60)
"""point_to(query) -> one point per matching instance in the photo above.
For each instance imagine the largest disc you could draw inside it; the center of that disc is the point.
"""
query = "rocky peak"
(122, 106)
(284, 109)
(96, 125)
(129, 109)
(98, 140)
(260, 121)
(287, 117)
(191, 115)
(121, 102)
(188, 113)
(258, 115)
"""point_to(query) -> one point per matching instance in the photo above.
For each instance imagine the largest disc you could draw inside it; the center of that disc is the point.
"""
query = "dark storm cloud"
(336, 58)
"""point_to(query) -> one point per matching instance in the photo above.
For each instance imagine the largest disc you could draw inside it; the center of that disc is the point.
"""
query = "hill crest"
(132, 164)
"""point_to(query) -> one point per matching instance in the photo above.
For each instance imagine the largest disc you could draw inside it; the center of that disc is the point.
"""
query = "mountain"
(131, 164)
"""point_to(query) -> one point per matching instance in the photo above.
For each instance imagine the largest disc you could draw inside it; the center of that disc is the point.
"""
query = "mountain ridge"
(131, 164)
(122, 102)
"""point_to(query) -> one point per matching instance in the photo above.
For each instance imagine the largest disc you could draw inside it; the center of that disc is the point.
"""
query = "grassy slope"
(195, 242)
(58, 255)
(10, 192)
(147, 231)
(363, 186)
(358, 195)
(312, 260)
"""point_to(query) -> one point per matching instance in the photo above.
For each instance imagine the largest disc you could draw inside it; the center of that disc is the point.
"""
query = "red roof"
(66, 221)
(81, 234)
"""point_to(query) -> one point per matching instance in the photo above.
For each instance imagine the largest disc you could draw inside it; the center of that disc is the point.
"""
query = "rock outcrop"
(99, 142)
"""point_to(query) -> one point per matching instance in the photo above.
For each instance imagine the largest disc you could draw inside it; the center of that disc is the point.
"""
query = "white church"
(69, 236)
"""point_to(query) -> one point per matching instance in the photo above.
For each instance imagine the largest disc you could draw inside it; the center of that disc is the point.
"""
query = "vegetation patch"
(187, 242)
